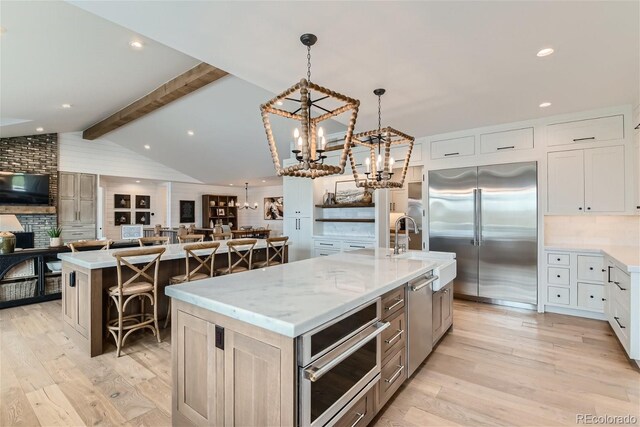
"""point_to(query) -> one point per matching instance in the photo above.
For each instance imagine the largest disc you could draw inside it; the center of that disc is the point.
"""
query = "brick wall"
(34, 154)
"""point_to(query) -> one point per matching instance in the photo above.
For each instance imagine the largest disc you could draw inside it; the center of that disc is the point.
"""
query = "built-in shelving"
(347, 205)
(345, 220)
(221, 209)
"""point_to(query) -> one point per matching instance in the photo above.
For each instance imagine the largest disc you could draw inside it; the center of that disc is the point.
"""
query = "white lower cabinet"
(575, 281)
(325, 246)
(299, 231)
(591, 296)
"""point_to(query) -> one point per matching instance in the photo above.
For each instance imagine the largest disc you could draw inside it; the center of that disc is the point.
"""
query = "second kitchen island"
(317, 342)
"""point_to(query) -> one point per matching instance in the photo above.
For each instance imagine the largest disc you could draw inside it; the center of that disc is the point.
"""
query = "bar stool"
(154, 240)
(220, 236)
(102, 245)
(243, 249)
(206, 264)
(141, 285)
(275, 246)
(191, 238)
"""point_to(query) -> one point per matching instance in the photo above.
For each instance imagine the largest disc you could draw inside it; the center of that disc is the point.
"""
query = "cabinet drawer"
(619, 320)
(392, 302)
(350, 246)
(326, 244)
(590, 296)
(621, 289)
(324, 252)
(393, 374)
(558, 276)
(557, 259)
(453, 147)
(590, 268)
(395, 335)
(510, 140)
(360, 414)
(558, 295)
(597, 129)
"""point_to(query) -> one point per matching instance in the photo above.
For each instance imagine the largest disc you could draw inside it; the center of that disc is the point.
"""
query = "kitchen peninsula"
(86, 275)
(315, 342)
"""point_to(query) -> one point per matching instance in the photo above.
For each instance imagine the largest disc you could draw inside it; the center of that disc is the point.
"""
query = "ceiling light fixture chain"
(246, 199)
(309, 63)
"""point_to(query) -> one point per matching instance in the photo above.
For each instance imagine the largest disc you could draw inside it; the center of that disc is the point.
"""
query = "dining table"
(251, 232)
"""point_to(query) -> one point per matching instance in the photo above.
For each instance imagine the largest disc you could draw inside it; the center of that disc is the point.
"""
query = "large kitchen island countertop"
(294, 298)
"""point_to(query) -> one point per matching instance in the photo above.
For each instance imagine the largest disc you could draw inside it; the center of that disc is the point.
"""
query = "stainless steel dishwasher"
(420, 322)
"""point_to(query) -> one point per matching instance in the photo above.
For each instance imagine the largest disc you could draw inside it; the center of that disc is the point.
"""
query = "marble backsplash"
(622, 230)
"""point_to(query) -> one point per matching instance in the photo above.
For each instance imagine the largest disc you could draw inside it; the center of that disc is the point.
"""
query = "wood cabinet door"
(604, 187)
(67, 212)
(200, 370)
(69, 298)
(83, 304)
(86, 186)
(252, 375)
(565, 183)
(86, 211)
(87, 199)
(67, 187)
(436, 314)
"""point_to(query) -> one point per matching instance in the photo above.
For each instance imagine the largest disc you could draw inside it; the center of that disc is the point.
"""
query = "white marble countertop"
(104, 259)
(628, 256)
(294, 298)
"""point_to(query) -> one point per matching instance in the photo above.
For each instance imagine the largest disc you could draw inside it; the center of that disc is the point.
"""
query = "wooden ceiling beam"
(193, 79)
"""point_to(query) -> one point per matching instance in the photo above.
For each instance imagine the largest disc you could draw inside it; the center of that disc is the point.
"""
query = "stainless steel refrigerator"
(488, 216)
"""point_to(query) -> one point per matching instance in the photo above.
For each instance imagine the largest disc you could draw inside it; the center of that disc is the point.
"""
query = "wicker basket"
(10, 291)
(52, 285)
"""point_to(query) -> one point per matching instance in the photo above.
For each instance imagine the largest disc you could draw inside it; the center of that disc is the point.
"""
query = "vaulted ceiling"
(446, 66)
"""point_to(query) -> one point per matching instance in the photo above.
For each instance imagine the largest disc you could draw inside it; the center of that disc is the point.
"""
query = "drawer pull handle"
(396, 336)
(618, 285)
(618, 322)
(325, 244)
(603, 270)
(360, 417)
(356, 246)
(506, 148)
(583, 139)
(394, 305)
(451, 154)
(604, 299)
(395, 374)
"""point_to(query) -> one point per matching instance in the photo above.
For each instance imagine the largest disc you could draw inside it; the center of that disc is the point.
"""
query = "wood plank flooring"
(499, 366)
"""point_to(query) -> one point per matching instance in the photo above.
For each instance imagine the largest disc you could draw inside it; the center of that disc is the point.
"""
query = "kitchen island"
(316, 342)
(86, 276)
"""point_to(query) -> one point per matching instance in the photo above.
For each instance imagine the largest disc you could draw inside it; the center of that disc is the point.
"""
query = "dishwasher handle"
(414, 287)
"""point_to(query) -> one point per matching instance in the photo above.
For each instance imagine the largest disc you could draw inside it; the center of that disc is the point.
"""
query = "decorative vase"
(55, 242)
(7, 242)
(367, 197)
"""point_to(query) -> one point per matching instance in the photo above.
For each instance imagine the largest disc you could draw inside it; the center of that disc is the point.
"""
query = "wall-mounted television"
(24, 189)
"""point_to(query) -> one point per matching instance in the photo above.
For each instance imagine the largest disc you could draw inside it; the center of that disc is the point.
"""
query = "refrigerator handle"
(474, 242)
(479, 217)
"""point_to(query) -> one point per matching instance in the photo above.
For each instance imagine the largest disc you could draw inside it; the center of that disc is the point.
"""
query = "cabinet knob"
(558, 259)
(580, 208)
(558, 276)
(558, 295)
(590, 296)
(588, 208)
(591, 268)
(604, 299)
(603, 270)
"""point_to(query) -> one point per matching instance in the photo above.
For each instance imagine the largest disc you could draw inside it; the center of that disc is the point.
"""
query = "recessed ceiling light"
(147, 147)
(138, 181)
(264, 180)
(279, 102)
(135, 44)
(66, 105)
(190, 133)
(545, 52)
(545, 104)
(39, 129)
(231, 184)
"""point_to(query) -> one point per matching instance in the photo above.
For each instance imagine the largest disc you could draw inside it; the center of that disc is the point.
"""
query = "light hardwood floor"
(498, 366)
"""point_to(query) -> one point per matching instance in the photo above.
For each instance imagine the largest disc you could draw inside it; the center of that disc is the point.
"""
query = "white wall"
(103, 157)
(588, 230)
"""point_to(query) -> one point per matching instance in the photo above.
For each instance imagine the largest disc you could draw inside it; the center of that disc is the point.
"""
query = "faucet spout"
(396, 246)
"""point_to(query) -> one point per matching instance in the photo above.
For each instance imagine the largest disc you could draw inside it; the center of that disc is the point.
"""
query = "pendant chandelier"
(315, 104)
(379, 163)
(246, 199)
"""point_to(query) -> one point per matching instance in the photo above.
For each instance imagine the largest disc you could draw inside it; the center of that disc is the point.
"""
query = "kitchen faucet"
(396, 247)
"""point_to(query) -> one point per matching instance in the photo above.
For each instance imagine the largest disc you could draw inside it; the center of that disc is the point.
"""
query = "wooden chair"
(206, 265)
(243, 248)
(191, 238)
(220, 236)
(275, 246)
(102, 245)
(141, 285)
(154, 240)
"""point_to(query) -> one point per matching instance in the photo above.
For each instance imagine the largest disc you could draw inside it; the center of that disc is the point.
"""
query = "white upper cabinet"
(589, 130)
(298, 196)
(565, 182)
(455, 147)
(591, 180)
(604, 179)
(517, 139)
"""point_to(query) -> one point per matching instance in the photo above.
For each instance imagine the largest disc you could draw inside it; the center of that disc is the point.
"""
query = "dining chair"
(97, 244)
(275, 252)
(221, 236)
(243, 250)
(191, 238)
(143, 284)
(154, 240)
(203, 266)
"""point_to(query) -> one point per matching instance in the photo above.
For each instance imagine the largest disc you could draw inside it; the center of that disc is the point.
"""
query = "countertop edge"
(630, 268)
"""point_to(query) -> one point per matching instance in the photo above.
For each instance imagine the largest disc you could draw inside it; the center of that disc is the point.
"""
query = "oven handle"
(314, 373)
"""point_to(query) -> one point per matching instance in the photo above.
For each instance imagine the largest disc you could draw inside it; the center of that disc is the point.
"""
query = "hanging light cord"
(379, 122)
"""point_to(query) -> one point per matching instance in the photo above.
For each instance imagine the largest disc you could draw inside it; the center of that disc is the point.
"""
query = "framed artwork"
(122, 201)
(143, 218)
(143, 202)
(273, 208)
(131, 232)
(122, 218)
(187, 211)
(221, 212)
